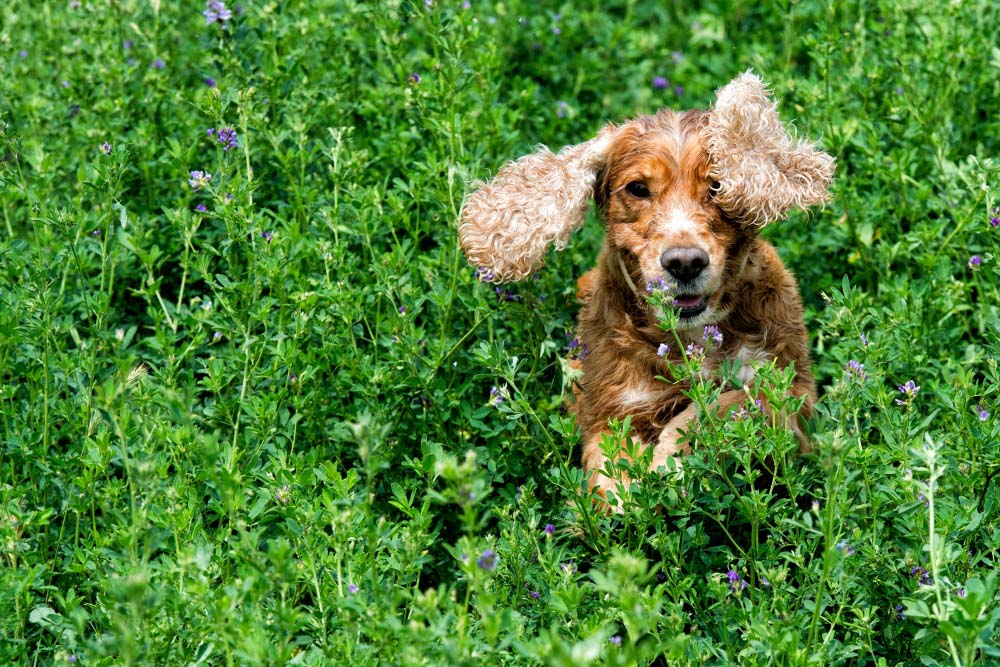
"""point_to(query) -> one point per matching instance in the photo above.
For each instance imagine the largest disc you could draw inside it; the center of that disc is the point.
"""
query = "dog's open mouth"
(689, 305)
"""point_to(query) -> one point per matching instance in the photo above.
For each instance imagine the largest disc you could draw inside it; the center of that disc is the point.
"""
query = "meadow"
(256, 409)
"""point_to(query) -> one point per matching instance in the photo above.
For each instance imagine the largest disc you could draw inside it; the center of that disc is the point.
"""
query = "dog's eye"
(637, 189)
(714, 187)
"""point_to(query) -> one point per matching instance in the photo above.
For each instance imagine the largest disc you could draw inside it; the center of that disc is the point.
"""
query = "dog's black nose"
(685, 264)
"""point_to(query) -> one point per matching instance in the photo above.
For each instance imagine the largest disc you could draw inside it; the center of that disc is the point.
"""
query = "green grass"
(262, 433)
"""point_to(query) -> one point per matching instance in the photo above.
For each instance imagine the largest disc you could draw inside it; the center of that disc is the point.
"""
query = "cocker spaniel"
(682, 197)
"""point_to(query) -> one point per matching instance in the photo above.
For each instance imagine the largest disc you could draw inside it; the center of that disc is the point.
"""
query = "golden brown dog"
(682, 197)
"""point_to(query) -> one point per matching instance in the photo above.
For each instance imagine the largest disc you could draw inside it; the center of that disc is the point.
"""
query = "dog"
(682, 197)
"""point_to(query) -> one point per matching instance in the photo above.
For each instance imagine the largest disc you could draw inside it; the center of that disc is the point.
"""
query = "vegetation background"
(255, 409)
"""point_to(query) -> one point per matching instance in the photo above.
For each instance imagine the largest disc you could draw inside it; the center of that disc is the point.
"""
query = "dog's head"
(677, 193)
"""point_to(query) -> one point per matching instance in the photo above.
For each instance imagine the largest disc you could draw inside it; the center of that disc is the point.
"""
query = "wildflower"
(764, 582)
(96, 233)
(74, 4)
(283, 496)
(267, 236)
(975, 262)
(909, 391)
(498, 396)
(413, 78)
(74, 110)
(216, 11)
(846, 548)
(402, 310)
(679, 90)
(106, 147)
(23, 53)
(158, 64)
(657, 285)
(899, 612)
(466, 5)
(712, 334)
(695, 351)
(556, 30)
(71, 658)
(856, 369)
(127, 45)
(663, 350)
(982, 412)
(922, 576)
(352, 588)
(864, 340)
(225, 136)
(616, 640)
(65, 84)
(961, 592)
(217, 336)
(736, 582)
(199, 179)
(209, 81)
(201, 208)
(994, 221)
(677, 57)
(484, 275)
(549, 529)
(504, 294)
(568, 568)
(562, 108)
(577, 349)
(487, 561)
(660, 82)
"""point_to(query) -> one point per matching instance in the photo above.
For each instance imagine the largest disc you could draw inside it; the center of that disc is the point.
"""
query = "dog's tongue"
(688, 301)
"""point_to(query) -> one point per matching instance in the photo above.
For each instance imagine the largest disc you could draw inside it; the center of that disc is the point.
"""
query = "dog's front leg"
(670, 444)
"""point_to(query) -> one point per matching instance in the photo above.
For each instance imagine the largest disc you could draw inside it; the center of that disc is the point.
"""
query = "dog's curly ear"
(762, 171)
(509, 223)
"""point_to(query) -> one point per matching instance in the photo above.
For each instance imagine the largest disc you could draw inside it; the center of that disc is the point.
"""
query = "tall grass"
(265, 414)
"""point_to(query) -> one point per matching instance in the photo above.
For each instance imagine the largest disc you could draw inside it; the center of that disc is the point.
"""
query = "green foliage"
(270, 417)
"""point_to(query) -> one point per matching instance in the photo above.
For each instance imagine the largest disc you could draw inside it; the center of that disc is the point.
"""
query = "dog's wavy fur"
(711, 180)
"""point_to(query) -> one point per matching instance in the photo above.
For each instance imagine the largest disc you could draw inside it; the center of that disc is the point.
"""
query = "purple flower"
(267, 236)
(402, 310)
(846, 548)
(660, 82)
(158, 64)
(679, 90)
(535, 595)
(909, 390)
(994, 221)
(225, 136)
(216, 11)
(209, 81)
(106, 147)
(616, 640)
(899, 612)
(549, 529)
(96, 233)
(864, 340)
(487, 560)
(201, 208)
(352, 588)
(975, 262)
(497, 396)
(677, 57)
(484, 275)
(736, 582)
(413, 78)
(127, 44)
(712, 334)
(922, 576)
(856, 369)
(23, 53)
(199, 179)
(577, 349)
(562, 108)
(982, 412)
(663, 350)
(695, 351)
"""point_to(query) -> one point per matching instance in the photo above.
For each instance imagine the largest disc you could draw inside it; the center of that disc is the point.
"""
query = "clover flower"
(414, 78)
(201, 208)
(712, 334)
(487, 560)
(535, 595)
(352, 588)
(225, 136)
(994, 221)
(975, 262)
(856, 369)
(158, 64)
(982, 412)
(616, 640)
(695, 351)
(922, 576)
(106, 147)
(216, 11)
(269, 236)
(736, 582)
(909, 390)
(498, 395)
(210, 82)
(659, 82)
(199, 179)
(577, 349)
(549, 530)
(663, 350)
(484, 275)
(562, 108)
(846, 548)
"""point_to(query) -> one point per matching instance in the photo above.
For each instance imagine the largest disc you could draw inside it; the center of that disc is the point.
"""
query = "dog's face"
(678, 191)
(656, 195)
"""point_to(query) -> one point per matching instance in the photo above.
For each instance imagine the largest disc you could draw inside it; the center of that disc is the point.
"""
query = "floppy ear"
(761, 169)
(509, 223)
